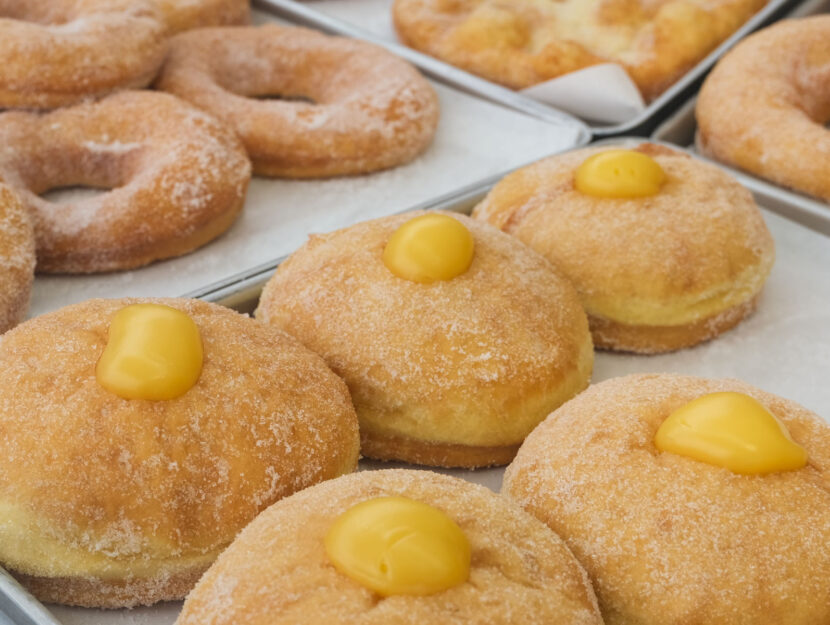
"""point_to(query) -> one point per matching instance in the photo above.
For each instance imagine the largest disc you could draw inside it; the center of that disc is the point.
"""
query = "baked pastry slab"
(519, 43)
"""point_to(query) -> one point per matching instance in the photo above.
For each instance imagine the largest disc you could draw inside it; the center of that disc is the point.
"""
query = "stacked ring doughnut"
(369, 109)
(58, 52)
(178, 179)
(17, 259)
(181, 15)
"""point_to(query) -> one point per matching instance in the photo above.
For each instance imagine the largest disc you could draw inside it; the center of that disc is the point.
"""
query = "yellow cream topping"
(731, 430)
(153, 352)
(429, 248)
(397, 546)
(619, 174)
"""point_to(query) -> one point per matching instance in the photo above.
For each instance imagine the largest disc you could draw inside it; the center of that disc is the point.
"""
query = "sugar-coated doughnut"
(116, 502)
(670, 540)
(519, 43)
(655, 273)
(177, 177)
(452, 373)
(765, 106)
(369, 109)
(278, 571)
(17, 259)
(186, 14)
(58, 52)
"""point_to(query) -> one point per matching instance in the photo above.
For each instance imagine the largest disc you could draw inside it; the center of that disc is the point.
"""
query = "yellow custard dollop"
(731, 430)
(619, 174)
(153, 352)
(429, 248)
(398, 546)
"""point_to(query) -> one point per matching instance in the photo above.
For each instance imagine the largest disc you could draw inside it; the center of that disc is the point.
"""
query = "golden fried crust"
(476, 361)
(59, 52)
(186, 14)
(765, 105)
(369, 109)
(178, 179)
(17, 259)
(277, 570)
(669, 540)
(519, 43)
(113, 502)
(655, 273)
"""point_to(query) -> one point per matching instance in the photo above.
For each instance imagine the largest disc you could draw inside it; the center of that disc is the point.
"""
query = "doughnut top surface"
(519, 43)
(277, 571)
(96, 486)
(669, 539)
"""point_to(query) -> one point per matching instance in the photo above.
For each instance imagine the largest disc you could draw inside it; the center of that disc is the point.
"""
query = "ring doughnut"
(370, 110)
(178, 179)
(765, 106)
(670, 539)
(455, 372)
(519, 571)
(114, 501)
(655, 273)
(188, 14)
(17, 259)
(58, 52)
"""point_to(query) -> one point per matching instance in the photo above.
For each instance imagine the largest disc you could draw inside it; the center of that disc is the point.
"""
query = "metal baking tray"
(680, 128)
(792, 325)
(642, 124)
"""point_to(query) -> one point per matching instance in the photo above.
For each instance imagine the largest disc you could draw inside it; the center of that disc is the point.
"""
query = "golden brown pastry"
(680, 260)
(177, 179)
(455, 372)
(125, 468)
(17, 259)
(670, 539)
(186, 14)
(765, 106)
(519, 572)
(520, 43)
(59, 52)
(343, 106)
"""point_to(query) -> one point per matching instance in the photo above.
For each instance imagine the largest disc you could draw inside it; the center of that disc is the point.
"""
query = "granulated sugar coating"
(655, 273)
(59, 52)
(178, 179)
(369, 109)
(186, 14)
(112, 502)
(17, 259)
(277, 571)
(453, 373)
(669, 540)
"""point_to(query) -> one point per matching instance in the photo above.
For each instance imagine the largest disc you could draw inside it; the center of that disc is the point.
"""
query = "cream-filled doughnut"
(17, 259)
(381, 547)
(455, 339)
(59, 52)
(665, 250)
(177, 179)
(368, 109)
(765, 106)
(687, 500)
(139, 436)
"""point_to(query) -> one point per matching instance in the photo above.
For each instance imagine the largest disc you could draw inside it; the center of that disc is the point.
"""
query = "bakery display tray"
(783, 348)
(349, 18)
(475, 139)
(680, 128)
